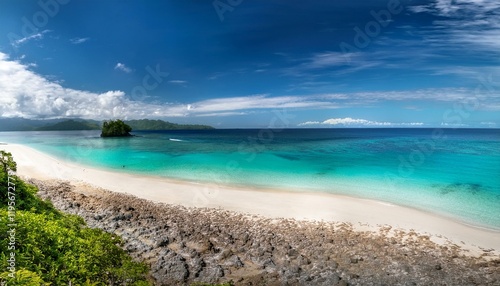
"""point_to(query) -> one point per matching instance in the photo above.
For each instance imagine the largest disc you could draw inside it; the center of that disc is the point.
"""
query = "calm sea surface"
(455, 173)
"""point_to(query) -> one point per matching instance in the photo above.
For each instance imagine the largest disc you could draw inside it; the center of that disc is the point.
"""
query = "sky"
(259, 63)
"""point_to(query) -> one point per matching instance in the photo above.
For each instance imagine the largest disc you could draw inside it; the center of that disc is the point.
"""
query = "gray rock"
(171, 267)
(207, 245)
(235, 261)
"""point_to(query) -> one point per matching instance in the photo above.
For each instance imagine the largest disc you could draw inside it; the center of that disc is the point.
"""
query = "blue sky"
(242, 63)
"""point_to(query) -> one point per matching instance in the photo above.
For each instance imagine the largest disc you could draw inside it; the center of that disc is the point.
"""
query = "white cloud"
(123, 67)
(348, 121)
(25, 93)
(218, 114)
(30, 95)
(260, 101)
(327, 59)
(419, 9)
(475, 23)
(26, 39)
(411, 124)
(446, 124)
(176, 81)
(342, 63)
(488, 124)
(77, 41)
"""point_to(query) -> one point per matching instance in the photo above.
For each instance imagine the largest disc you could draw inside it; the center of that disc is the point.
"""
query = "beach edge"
(363, 214)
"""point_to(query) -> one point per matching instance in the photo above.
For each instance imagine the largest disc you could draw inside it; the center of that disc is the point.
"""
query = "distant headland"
(23, 124)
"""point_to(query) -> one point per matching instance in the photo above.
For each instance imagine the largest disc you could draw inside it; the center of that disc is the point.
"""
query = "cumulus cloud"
(348, 121)
(30, 95)
(25, 93)
(123, 67)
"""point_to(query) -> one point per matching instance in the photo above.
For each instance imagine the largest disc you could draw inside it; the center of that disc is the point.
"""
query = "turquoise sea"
(451, 172)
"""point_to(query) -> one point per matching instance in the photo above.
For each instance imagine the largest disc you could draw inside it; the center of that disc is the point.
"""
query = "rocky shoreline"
(187, 245)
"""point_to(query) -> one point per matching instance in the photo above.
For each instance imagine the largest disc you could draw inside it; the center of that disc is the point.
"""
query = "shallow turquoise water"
(455, 173)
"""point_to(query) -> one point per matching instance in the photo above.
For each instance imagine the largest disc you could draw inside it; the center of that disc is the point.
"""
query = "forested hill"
(147, 124)
(22, 124)
(70, 125)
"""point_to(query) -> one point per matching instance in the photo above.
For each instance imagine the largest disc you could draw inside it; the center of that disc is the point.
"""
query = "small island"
(115, 128)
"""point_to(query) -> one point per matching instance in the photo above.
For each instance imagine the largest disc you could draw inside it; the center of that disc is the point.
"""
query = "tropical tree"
(115, 128)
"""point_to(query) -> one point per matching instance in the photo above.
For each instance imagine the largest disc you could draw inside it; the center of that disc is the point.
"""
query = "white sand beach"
(363, 214)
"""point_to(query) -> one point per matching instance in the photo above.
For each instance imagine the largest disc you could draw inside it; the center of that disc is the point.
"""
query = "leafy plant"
(115, 128)
(52, 248)
(25, 194)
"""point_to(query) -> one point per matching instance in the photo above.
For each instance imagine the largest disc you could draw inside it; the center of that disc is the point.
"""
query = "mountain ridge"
(23, 124)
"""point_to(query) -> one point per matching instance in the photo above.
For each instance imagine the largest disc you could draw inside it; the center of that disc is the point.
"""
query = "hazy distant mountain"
(71, 125)
(147, 124)
(22, 124)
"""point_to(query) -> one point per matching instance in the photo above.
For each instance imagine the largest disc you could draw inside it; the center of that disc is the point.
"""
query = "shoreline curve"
(363, 214)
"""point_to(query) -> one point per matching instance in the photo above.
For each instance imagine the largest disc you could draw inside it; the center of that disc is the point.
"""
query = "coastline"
(363, 214)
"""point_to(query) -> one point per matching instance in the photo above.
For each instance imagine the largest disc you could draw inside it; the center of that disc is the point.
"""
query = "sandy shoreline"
(363, 214)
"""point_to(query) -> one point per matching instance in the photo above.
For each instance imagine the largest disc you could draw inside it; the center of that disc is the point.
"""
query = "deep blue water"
(452, 172)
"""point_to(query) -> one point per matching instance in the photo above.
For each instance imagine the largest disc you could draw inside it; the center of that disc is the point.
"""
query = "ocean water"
(451, 172)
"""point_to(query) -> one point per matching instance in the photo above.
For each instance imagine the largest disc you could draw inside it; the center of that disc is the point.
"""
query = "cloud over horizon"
(28, 94)
(431, 62)
(356, 122)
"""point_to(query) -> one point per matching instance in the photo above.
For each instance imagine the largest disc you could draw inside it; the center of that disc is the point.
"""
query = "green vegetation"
(147, 124)
(115, 128)
(53, 248)
(70, 125)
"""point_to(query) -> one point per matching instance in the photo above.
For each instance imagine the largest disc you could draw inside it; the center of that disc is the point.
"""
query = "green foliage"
(115, 128)
(23, 277)
(70, 125)
(146, 124)
(25, 198)
(52, 248)
(7, 162)
(63, 250)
